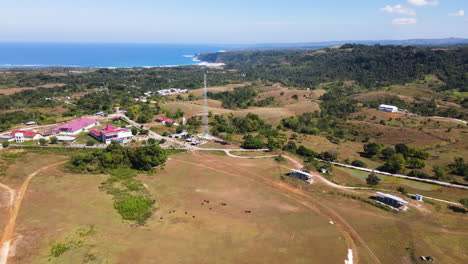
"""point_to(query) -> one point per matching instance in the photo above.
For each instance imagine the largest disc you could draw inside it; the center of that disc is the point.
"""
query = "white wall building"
(388, 108)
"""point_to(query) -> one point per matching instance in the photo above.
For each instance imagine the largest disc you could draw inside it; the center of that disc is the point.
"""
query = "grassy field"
(271, 114)
(288, 220)
(277, 230)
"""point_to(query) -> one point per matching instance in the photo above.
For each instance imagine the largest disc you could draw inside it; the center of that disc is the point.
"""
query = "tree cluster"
(116, 156)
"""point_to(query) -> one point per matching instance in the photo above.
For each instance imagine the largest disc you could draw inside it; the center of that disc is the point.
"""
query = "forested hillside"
(369, 66)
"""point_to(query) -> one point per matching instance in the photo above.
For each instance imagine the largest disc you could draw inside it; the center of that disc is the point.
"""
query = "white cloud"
(460, 12)
(424, 2)
(404, 21)
(398, 9)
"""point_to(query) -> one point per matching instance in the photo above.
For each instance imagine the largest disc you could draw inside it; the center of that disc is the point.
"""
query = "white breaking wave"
(36, 65)
(188, 56)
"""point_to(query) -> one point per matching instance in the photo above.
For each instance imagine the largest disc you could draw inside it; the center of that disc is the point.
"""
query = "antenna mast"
(206, 130)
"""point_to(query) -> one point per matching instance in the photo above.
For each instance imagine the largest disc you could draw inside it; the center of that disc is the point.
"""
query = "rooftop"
(26, 133)
(165, 119)
(303, 172)
(393, 197)
(75, 125)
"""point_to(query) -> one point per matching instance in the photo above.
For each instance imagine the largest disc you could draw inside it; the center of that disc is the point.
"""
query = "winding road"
(14, 208)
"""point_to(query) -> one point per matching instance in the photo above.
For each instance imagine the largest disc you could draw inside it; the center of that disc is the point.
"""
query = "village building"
(30, 123)
(111, 133)
(75, 127)
(65, 139)
(183, 134)
(20, 136)
(164, 120)
(172, 91)
(388, 108)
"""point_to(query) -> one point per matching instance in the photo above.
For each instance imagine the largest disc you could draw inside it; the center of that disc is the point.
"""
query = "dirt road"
(351, 236)
(8, 232)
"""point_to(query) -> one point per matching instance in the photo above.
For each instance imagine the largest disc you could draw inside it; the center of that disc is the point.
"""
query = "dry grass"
(279, 229)
(271, 114)
(10, 91)
(371, 96)
(284, 96)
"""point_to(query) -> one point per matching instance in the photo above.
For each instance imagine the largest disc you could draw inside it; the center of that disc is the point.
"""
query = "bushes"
(372, 179)
(131, 199)
(58, 249)
(359, 163)
(136, 209)
(395, 164)
(115, 156)
(251, 142)
(306, 152)
(459, 167)
(241, 97)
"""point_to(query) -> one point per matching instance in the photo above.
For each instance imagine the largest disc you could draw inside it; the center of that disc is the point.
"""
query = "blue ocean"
(99, 54)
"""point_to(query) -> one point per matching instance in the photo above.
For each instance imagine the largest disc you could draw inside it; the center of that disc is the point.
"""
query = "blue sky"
(238, 22)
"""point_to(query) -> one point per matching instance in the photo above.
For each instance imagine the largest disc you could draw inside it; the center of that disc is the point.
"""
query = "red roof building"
(19, 136)
(26, 133)
(76, 126)
(111, 133)
(164, 120)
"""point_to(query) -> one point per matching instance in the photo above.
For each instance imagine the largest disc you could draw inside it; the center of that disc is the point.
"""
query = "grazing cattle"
(248, 212)
(223, 204)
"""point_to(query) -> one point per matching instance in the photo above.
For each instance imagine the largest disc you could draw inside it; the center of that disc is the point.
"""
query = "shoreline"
(194, 59)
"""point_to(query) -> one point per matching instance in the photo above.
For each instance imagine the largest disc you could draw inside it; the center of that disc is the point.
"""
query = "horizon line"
(232, 44)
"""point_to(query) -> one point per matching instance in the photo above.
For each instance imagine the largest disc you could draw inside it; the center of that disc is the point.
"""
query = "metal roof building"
(302, 175)
(392, 200)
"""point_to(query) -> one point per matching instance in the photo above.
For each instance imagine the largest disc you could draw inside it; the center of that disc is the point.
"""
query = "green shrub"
(58, 249)
(135, 209)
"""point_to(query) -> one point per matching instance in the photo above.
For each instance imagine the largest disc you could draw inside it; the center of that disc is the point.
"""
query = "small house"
(111, 133)
(31, 123)
(24, 135)
(164, 120)
(388, 108)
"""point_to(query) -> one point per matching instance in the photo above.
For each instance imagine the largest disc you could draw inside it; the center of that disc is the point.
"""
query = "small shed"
(31, 123)
(418, 197)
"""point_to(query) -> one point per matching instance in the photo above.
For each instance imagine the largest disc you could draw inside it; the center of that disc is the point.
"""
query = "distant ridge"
(324, 44)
